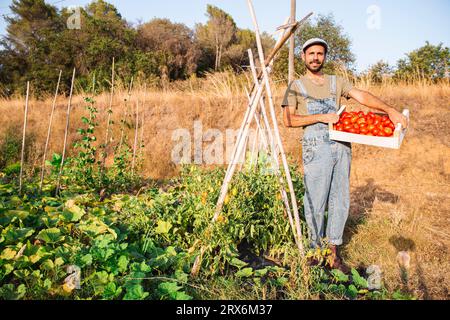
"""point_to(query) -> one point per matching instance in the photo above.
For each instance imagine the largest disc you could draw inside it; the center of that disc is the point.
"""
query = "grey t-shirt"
(293, 97)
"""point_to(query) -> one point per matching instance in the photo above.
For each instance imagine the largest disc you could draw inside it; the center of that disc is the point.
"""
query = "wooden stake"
(66, 132)
(108, 121)
(135, 137)
(292, 44)
(276, 131)
(259, 124)
(22, 155)
(257, 91)
(274, 155)
(49, 131)
(232, 167)
(254, 149)
(125, 113)
(141, 140)
(277, 47)
(290, 31)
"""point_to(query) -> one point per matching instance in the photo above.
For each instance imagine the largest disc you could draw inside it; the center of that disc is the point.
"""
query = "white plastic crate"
(393, 141)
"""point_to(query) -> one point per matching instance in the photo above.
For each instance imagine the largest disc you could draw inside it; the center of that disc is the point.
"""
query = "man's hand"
(329, 118)
(369, 100)
(397, 117)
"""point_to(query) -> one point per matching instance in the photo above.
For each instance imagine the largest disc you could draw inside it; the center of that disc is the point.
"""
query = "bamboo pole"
(141, 139)
(276, 131)
(93, 84)
(239, 136)
(66, 132)
(259, 124)
(251, 59)
(278, 46)
(262, 108)
(257, 91)
(243, 158)
(292, 44)
(108, 121)
(49, 131)
(22, 155)
(239, 148)
(125, 113)
(274, 156)
(292, 28)
(135, 137)
(269, 60)
(254, 150)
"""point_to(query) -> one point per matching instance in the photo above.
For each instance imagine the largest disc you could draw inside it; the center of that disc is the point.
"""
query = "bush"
(12, 169)
(11, 146)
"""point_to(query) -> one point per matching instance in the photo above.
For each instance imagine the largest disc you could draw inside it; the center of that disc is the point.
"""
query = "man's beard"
(314, 69)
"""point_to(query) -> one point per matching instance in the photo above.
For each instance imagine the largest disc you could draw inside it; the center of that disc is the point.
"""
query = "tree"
(38, 44)
(429, 61)
(339, 52)
(379, 71)
(172, 45)
(104, 34)
(31, 33)
(217, 35)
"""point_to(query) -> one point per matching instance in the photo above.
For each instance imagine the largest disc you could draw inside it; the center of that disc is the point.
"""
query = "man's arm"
(290, 119)
(369, 100)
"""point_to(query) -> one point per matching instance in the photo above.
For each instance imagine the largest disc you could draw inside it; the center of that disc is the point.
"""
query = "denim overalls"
(326, 166)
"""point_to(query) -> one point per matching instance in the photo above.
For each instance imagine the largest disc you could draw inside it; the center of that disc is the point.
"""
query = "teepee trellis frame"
(256, 99)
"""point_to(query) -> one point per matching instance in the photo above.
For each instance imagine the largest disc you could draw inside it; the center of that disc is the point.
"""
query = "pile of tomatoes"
(369, 124)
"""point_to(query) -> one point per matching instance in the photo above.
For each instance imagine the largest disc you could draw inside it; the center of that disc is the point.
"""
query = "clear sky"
(379, 29)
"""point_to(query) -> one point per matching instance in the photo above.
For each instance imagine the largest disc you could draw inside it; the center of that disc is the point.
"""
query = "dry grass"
(400, 198)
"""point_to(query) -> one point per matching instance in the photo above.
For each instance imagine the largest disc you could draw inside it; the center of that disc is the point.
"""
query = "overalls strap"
(333, 85)
(301, 87)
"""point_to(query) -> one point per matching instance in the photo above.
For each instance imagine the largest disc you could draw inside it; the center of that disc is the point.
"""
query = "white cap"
(313, 41)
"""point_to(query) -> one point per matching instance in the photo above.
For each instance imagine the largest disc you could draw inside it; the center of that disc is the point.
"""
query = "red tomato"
(388, 131)
(352, 130)
(376, 122)
(346, 122)
(348, 127)
(360, 114)
(370, 127)
(364, 130)
(371, 114)
(340, 129)
(344, 114)
(384, 118)
(386, 123)
(354, 119)
(356, 126)
(363, 125)
(375, 131)
(381, 133)
(361, 120)
(369, 120)
(392, 126)
(369, 134)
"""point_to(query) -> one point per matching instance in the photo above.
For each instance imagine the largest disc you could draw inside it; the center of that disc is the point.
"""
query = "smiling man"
(312, 102)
